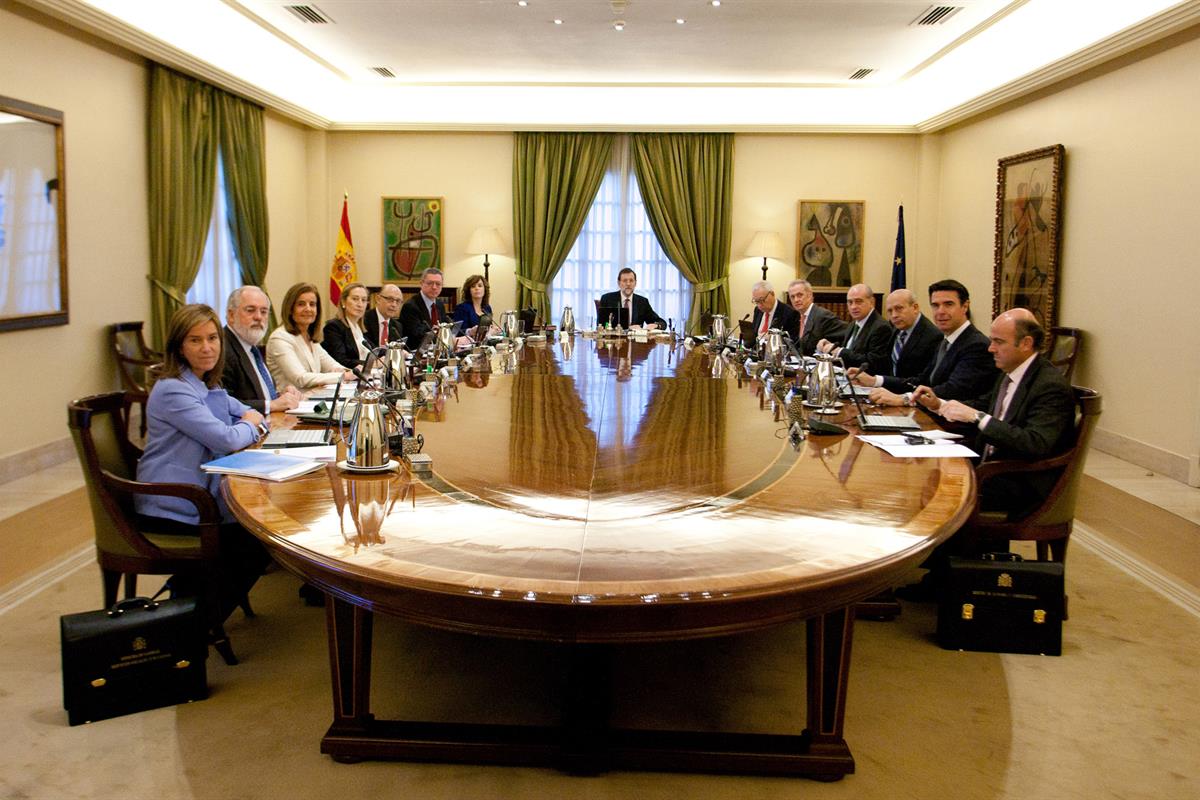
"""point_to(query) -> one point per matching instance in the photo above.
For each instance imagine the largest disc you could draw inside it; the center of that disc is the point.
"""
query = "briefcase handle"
(122, 606)
(1001, 557)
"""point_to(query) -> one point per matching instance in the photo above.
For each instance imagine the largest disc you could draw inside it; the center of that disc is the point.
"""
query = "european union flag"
(898, 277)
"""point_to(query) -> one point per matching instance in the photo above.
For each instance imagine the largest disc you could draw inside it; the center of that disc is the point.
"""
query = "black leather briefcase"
(1001, 604)
(137, 655)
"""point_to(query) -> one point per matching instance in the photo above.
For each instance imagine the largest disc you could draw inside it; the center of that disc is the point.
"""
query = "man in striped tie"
(914, 342)
(245, 376)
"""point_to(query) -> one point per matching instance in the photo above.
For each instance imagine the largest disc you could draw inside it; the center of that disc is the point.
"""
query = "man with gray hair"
(770, 313)
(914, 343)
(816, 323)
(246, 377)
(423, 311)
(868, 338)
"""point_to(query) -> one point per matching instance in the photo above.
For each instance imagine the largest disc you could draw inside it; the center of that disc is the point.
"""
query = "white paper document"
(941, 445)
(321, 452)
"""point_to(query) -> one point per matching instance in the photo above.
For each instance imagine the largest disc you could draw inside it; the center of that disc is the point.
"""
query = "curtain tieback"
(710, 285)
(170, 291)
(532, 285)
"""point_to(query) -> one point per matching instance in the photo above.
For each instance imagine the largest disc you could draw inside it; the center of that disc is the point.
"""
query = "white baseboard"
(18, 593)
(19, 464)
(1178, 593)
(1183, 468)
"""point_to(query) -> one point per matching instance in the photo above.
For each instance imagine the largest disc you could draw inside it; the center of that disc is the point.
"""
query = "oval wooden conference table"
(594, 493)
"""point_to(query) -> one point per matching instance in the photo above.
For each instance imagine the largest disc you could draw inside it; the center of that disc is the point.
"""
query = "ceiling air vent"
(383, 72)
(861, 73)
(309, 14)
(936, 15)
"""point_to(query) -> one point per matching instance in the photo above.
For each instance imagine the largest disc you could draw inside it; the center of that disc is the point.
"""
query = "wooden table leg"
(829, 638)
(349, 629)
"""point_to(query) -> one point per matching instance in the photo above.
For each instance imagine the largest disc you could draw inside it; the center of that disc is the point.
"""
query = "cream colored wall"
(772, 173)
(102, 93)
(1129, 272)
(471, 172)
(288, 175)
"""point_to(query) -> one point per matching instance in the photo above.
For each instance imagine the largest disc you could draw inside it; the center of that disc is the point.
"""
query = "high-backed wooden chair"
(134, 360)
(1050, 523)
(99, 426)
(1062, 348)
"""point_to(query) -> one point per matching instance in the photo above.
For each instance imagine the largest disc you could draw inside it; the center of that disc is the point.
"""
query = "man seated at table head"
(867, 339)
(424, 310)
(914, 341)
(386, 310)
(816, 323)
(770, 313)
(626, 308)
(245, 376)
(962, 367)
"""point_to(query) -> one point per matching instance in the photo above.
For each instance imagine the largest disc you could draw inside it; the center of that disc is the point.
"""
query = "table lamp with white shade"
(765, 244)
(484, 241)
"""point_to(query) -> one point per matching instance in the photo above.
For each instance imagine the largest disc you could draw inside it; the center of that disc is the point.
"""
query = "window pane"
(219, 272)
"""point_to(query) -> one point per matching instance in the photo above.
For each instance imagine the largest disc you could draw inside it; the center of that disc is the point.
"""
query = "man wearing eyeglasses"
(770, 313)
(382, 323)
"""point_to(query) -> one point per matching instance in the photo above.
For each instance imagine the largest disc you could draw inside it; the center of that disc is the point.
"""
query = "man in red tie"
(770, 313)
(816, 323)
(423, 311)
(381, 324)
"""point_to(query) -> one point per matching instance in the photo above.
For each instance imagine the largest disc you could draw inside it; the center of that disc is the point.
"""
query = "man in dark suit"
(914, 342)
(245, 376)
(387, 307)
(962, 368)
(1029, 413)
(770, 313)
(816, 323)
(421, 312)
(868, 338)
(631, 310)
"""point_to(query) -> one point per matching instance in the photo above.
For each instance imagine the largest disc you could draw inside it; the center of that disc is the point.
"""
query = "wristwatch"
(979, 415)
(263, 430)
(908, 401)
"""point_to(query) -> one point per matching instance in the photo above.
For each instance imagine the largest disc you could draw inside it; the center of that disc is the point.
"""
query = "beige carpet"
(1115, 717)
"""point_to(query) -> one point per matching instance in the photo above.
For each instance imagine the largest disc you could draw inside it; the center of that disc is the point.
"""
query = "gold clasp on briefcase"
(1039, 616)
(1004, 580)
(968, 611)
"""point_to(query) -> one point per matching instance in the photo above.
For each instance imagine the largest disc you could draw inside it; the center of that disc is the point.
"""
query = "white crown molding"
(508, 127)
(93, 21)
(1179, 18)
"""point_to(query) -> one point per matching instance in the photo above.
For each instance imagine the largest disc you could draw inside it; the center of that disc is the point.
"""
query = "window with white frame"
(617, 234)
(220, 273)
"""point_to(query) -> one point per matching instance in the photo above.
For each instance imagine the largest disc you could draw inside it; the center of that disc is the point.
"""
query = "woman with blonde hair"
(344, 333)
(294, 352)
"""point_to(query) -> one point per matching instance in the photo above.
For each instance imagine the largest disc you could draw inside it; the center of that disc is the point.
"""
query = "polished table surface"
(601, 492)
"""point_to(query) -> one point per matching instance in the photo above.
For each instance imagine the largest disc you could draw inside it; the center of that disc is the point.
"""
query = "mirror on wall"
(33, 223)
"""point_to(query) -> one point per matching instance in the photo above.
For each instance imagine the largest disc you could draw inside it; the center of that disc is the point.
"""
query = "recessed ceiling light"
(680, 21)
(716, 3)
(619, 25)
(522, 3)
(558, 22)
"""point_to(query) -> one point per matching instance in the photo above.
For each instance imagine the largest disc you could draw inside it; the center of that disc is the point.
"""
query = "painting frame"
(836, 262)
(1029, 232)
(49, 154)
(413, 235)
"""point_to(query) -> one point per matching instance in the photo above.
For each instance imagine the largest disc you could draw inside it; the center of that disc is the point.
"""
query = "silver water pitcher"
(395, 374)
(445, 339)
(720, 328)
(367, 444)
(510, 325)
(774, 349)
(567, 325)
(822, 384)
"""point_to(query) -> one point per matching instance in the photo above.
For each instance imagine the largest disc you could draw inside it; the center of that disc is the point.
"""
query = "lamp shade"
(765, 244)
(485, 240)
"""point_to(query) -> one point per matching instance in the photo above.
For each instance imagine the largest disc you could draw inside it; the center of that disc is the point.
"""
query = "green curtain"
(686, 180)
(183, 165)
(555, 179)
(240, 131)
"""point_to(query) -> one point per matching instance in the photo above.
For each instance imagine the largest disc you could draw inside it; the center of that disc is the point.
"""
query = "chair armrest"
(206, 505)
(990, 469)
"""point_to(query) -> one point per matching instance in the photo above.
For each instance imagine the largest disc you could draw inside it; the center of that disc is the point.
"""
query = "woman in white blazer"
(294, 352)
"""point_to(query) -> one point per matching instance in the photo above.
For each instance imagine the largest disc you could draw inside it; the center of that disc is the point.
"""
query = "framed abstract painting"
(412, 237)
(829, 242)
(1028, 231)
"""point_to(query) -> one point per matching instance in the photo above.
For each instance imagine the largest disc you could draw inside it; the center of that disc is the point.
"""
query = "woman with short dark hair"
(294, 352)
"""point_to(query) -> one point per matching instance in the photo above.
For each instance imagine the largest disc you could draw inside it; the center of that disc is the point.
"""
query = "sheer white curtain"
(617, 234)
(219, 272)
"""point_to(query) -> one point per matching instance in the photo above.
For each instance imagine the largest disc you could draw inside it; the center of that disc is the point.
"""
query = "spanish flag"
(344, 270)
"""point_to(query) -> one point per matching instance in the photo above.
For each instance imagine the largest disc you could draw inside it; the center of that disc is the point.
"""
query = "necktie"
(941, 353)
(628, 312)
(383, 330)
(998, 411)
(433, 315)
(766, 320)
(901, 338)
(854, 329)
(803, 322)
(262, 370)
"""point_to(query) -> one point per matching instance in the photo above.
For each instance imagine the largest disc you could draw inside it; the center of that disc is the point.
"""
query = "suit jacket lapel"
(1022, 390)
